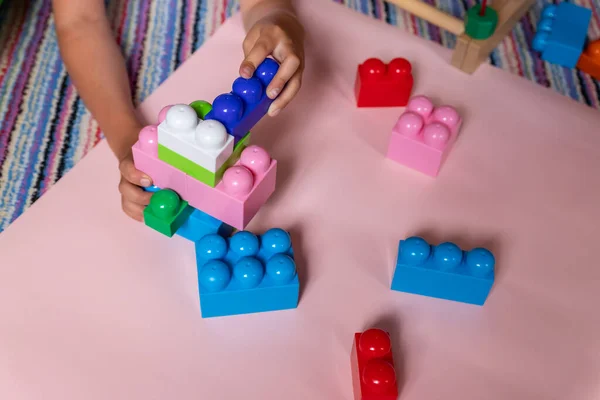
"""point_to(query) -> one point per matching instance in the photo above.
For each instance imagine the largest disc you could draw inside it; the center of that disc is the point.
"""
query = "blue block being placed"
(200, 224)
(444, 271)
(246, 273)
(562, 33)
(247, 103)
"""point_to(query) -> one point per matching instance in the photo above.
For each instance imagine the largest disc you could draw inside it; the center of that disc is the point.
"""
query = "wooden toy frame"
(470, 53)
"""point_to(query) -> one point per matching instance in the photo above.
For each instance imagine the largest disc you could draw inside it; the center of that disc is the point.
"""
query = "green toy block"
(480, 26)
(197, 171)
(166, 212)
(201, 107)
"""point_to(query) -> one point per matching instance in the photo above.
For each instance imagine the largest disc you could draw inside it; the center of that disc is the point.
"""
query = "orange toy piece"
(589, 62)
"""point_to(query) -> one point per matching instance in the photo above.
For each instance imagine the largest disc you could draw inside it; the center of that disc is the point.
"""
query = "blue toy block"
(246, 274)
(444, 271)
(151, 189)
(200, 224)
(247, 103)
(562, 33)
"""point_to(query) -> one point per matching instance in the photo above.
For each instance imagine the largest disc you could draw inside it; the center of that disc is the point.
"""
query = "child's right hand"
(133, 198)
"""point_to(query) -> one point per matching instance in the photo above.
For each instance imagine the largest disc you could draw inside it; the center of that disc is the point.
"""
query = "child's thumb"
(132, 175)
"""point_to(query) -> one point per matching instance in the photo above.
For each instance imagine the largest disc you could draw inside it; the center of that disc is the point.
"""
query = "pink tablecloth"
(95, 306)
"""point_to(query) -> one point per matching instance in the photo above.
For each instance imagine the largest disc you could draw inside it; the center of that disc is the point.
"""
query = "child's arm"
(97, 68)
(273, 29)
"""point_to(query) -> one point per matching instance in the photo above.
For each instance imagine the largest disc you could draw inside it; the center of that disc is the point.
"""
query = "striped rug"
(45, 129)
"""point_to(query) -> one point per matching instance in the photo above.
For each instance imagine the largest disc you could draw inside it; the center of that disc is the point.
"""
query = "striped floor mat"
(44, 127)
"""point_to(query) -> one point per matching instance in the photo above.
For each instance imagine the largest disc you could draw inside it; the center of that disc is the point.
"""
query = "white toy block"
(205, 143)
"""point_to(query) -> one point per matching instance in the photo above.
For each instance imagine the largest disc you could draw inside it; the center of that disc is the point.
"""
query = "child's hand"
(133, 198)
(279, 34)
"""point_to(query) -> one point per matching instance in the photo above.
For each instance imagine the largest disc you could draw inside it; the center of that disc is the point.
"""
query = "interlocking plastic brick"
(246, 274)
(198, 172)
(152, 189)
(145, 158)
(204, 143)
(444, 271)
(166, 212)
(383, 85)
(561, 33)
(589, 62)
(200, 224)
(244, 189)
(372, 363)
(247, 103)
(424, 135)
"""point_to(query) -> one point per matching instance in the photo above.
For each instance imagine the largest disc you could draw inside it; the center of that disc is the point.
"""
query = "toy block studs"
(247, 103)
(381, 85)
(246, 273)
(561, 33)
(372, 362)
(423, 135)
(444, 271)
(166, 212)
(197, 147)
(481, 21)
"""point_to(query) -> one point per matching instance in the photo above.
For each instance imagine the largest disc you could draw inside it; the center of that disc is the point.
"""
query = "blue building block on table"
(562, 33)
(246, 273)
(247, 103)
(200, 224)
(444, 271)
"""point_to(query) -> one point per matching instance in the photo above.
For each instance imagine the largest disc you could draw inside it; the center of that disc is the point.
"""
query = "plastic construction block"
(480, 26)
(246, 274)
(247, 103)
(383, 85)
(372, 362)
(166, 212)
(145, 158)
(200, 224)
(589, 62)
(444, 271)
(244, 189)
(424, 135)
(235, 200)
(204, 143)
(561, 33)
(196, 171)
(151, 189)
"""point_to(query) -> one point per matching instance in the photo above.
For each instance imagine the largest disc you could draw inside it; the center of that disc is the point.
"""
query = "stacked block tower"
(209, 180)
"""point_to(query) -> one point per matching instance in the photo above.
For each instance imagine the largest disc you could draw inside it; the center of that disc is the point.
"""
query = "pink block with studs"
(145, 158)
(424, 135)
(245, 187)
(243, 190)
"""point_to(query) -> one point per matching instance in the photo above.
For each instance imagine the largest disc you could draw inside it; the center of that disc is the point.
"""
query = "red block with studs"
(373, 372)
(383, 85)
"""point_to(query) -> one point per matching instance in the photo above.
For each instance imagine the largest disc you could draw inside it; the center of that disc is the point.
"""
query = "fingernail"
(246, 72)
(273, 93)
(274, 112)
(145, 182)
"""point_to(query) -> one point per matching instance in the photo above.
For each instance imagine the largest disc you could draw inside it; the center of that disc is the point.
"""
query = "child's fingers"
(261, 50)
(134, 211)
(132, 175)
(134, 194)
(291, 89)
(289, 67)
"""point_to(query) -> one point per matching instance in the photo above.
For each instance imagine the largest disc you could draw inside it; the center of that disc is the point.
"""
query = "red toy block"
(589, 62)
(373, 372)
(383, 85)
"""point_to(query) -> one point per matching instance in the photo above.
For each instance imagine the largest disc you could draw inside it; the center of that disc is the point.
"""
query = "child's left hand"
(281, 35)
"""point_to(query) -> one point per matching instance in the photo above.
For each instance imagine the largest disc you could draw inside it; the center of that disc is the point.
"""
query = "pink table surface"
(95, 306)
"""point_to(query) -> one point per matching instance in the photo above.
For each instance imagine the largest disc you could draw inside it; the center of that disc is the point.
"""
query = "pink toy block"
(424, 135)
(145, 158)
(245, 187)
